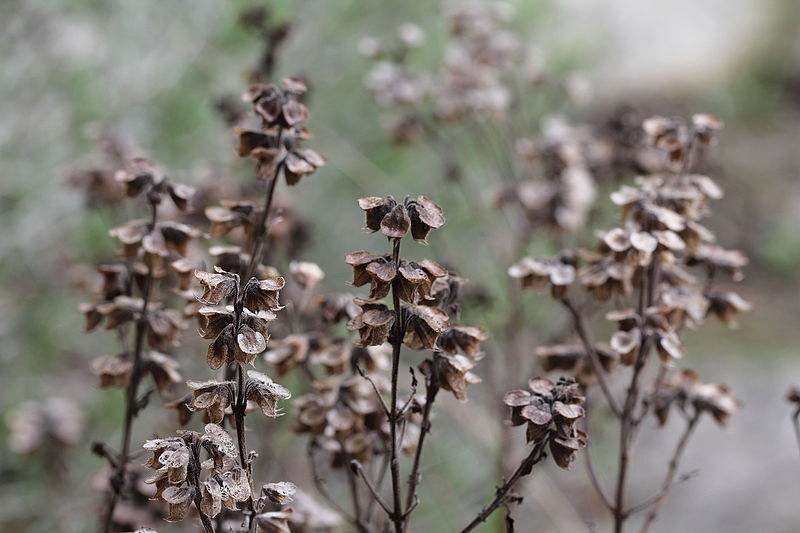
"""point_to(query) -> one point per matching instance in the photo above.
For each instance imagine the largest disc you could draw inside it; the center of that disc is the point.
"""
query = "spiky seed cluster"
(550, 412)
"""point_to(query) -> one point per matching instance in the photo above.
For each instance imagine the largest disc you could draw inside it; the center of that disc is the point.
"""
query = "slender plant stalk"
(397, 341)
(261, 225)
(354, 495)
(131, 407)
(658, 501)
(240, 406)
(536, 455)
(431, 390)
(594, 360)
(319, 483)
(628, 422)
(375, 489)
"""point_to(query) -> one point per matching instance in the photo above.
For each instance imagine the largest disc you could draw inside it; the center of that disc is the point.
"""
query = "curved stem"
(594, 360)
(536, 455)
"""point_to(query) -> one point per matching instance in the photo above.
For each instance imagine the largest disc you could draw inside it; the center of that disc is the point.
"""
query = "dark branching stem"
(628, 422)
(590, 466)
(239, 412)
(431, 390)
(354, 494)
(501, 494)
(132, 406)
(358, 469)
(319, 482)
(376, 487)
(594, 360)
(261, 225)
(659, 499)
(398, 331)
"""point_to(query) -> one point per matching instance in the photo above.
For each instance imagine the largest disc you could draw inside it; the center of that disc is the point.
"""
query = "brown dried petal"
(396, 223)
(376, 209)
(216, 287)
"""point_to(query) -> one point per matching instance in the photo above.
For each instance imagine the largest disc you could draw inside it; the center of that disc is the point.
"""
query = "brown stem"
(239, 414)
(536, 455)
(594, 360)
(358, 468)
(398, 331)
(658, 501)
(117, 480)
(261, 225)
(590, 466)
(647, 297)
(319, 483)
(431, 390)
(376, 487)
(351, 481)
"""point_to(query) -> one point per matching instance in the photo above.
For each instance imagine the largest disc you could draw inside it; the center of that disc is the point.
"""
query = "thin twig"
(580, 328)
(431, 389)
(131, 400)
(384, 467)
(648, 293)
(356, 467)
(261, 225)
(536, 455)
(590, 466)
(671, 471)
(351, 481)
(319, 483)
(363, 374)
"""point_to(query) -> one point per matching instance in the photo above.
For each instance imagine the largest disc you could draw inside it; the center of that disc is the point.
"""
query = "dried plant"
(367, 423)
(643, 269)
(130, 303)
(535, 176)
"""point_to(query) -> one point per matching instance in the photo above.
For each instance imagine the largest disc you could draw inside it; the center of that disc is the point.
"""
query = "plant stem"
(261, 225)
(671, 471)
(238, 414)
(398, 331)
(431, 390)
(351, 482)
(536, 455)
(594, 360)
(647, 297)
(117, 480)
